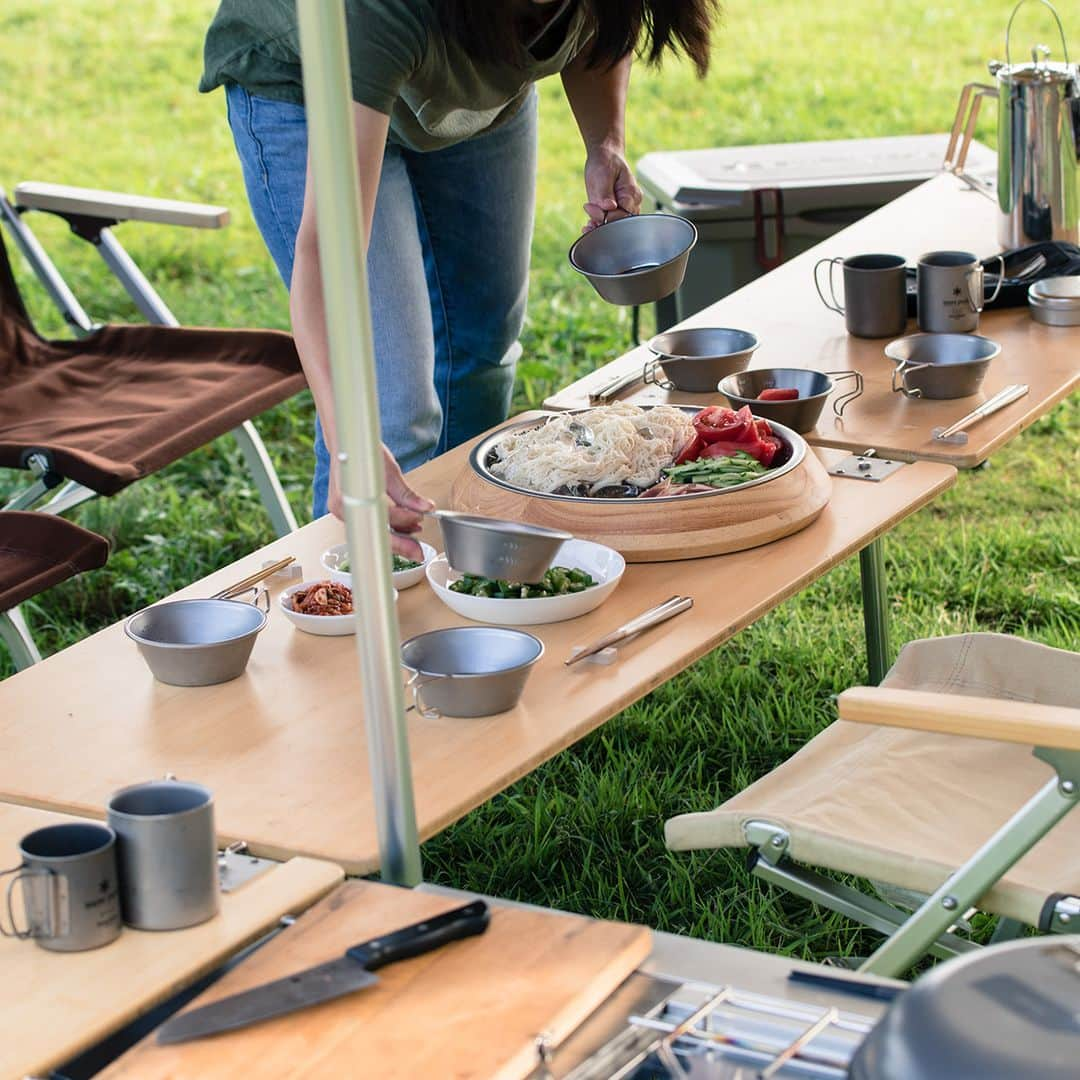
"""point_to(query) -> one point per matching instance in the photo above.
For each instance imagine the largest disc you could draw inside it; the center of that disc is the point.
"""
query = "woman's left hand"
(610, 188)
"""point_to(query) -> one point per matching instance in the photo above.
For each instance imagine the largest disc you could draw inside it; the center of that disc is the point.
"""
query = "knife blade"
(324, 982)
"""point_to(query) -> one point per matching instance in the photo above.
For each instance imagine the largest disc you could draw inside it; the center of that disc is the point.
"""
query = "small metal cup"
(875, 293)
(951, 292)
(70, 888)
(167, 852)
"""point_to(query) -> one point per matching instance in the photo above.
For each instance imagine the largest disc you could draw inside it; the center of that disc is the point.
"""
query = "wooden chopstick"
(253, 579)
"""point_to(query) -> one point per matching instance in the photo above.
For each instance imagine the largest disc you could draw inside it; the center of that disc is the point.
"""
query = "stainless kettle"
(1038, 143)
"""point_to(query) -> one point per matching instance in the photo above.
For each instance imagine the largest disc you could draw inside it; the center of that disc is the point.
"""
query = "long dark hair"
(490, 30)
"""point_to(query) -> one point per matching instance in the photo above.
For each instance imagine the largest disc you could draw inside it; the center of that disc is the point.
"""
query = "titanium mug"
(875, 293)
(951, 292)
(70, 887)
(167, 852)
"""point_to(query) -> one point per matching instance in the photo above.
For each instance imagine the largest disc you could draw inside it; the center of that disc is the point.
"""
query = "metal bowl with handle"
(469, 670)
(635, 260)
(696, 359)
(196, 642)
(800, 414)
(1002, 1013)
(940, 366)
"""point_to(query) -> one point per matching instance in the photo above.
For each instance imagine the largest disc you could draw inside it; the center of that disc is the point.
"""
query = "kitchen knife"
(326, 981)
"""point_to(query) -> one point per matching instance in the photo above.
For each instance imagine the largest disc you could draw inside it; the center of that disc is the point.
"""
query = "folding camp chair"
(928, 784)
(98, 413)
(38, 551)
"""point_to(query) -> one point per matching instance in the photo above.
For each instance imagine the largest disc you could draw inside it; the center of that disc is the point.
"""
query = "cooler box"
(755, 206)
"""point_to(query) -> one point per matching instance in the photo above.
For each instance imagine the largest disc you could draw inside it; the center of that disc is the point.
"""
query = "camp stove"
(655, 1028)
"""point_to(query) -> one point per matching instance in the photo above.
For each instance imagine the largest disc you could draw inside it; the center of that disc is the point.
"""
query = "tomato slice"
(722, 448)
(691, 451)
(779, 393)
(763, 429)
(770, 447)
(719, 422)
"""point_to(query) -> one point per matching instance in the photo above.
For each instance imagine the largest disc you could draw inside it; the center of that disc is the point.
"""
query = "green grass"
(99, 95)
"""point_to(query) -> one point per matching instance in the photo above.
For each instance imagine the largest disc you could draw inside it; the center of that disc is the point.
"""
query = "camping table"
(283, 747)
(55, 1005)
(797, 330)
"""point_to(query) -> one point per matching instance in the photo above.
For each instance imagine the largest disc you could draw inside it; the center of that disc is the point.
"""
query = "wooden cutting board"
(54, 1005)
(469, 1011)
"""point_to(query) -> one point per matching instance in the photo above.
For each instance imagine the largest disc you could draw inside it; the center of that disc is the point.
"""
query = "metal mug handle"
(52, 922)
(417, 684)
(835, 305)
(902, 370)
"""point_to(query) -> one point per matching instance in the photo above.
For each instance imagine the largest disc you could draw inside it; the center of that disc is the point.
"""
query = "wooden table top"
(55, 1005)
(797, 330)
(283, 747)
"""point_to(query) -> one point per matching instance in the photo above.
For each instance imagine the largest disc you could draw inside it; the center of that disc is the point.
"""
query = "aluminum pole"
(332, 148)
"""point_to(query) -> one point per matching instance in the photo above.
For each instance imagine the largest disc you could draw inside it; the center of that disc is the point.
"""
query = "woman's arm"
(597, 98)
(309, 322)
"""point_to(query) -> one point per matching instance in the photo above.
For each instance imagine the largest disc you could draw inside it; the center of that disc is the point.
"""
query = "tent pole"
(332, 147)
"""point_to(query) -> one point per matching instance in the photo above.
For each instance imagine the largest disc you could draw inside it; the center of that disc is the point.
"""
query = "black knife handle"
(422, 937)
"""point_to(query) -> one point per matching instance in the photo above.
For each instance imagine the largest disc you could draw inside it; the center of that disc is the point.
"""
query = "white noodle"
(629, 446)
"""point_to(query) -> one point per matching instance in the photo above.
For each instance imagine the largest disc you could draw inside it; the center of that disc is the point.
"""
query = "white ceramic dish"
(603, 563)
(403, 579)
(322, 625)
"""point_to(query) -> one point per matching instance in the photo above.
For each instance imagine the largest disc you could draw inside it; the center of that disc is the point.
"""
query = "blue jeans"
(448, 269)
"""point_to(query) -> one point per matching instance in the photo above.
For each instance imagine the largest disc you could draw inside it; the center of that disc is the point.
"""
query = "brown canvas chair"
(949, 783)
(38, 551)
(120, 402)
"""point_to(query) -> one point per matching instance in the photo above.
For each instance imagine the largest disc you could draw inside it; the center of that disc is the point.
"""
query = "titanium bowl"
(794, 450)
(635, 260)
(695, 360)
(800, 415)
(469, 670)
(196, 642)
(940, 366)
(489, 547)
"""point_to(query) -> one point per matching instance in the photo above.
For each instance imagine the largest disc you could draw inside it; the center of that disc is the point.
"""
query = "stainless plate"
(480, 453)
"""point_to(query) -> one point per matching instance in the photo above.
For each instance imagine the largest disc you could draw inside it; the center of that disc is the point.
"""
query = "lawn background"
(102, 94)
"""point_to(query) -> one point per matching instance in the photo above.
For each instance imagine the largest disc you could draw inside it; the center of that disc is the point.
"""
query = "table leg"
(875, 612)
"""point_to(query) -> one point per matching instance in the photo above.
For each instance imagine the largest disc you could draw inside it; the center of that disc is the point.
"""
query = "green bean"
(558, 581)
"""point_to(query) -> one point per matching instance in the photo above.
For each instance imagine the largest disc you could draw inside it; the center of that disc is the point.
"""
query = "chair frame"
(91, 216)
(1053, 731)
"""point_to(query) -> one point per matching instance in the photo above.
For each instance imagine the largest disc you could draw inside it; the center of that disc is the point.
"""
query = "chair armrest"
(954, 714)
(116, 206)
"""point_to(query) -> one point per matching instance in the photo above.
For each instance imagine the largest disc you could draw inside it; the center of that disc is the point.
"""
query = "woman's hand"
(610, 187)
(404, 505)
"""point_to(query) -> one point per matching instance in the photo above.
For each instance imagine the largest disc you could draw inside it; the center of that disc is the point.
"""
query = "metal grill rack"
(703, 1032)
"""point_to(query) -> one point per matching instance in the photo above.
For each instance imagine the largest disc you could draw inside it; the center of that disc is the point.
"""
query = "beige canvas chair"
(951, 779)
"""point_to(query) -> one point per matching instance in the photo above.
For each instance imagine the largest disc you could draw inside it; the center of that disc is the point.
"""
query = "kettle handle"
(963, 130)
(1057, 19)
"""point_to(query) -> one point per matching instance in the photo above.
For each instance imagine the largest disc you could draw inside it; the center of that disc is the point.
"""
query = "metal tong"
(671, 607)
(954, 433)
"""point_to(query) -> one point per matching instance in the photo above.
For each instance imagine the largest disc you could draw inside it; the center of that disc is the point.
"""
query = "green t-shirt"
(402, 65)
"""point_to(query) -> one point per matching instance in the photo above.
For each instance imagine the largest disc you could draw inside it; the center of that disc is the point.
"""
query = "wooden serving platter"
(470, 1010)
(644, 530)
